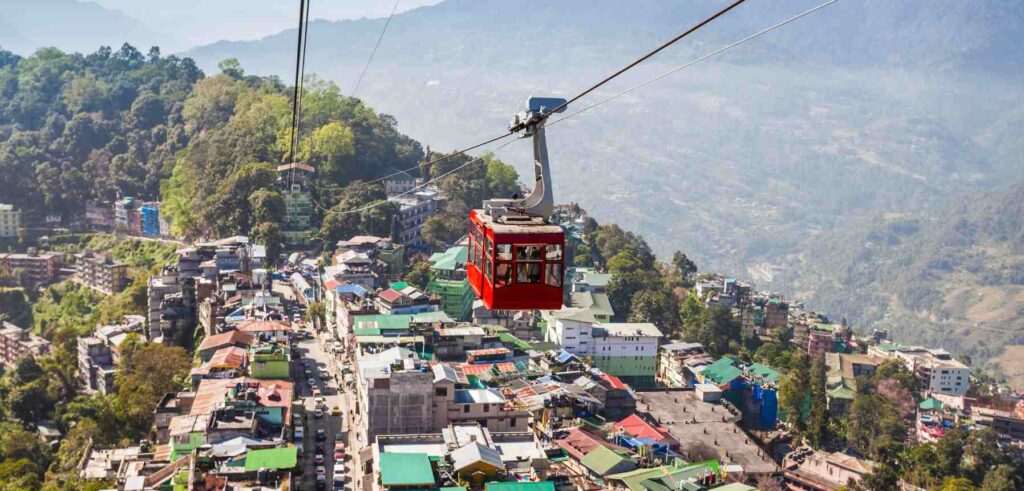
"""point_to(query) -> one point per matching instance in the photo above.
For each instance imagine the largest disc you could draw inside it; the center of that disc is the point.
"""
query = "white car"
(339, 468)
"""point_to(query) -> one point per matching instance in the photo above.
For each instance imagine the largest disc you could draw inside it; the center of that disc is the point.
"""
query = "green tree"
(1002, 478)
(657, 307)
(793, 391)
(502, 179)
(818, 424)
(419, 276)
(316, 314)
(269, 234)
(685, 267)
(232, 68)
(956, 484)
(267, 205)
(143, 379)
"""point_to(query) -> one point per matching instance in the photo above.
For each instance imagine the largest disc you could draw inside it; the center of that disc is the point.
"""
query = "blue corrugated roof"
(357, 290)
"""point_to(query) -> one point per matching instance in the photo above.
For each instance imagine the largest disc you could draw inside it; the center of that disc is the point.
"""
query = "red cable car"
(516, 256)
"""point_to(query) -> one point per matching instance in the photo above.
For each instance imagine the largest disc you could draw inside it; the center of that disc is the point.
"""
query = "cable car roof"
(522, 224)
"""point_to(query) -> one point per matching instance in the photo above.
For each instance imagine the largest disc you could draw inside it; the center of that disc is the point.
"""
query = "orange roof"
(229, 338)
(473, 369)
(579, 443)
(263, 326)
(213, 392)
(230, 357)
(614, 381)
(635, 426)
(295, 165)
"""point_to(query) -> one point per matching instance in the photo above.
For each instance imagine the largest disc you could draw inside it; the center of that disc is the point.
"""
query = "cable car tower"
(516, 256)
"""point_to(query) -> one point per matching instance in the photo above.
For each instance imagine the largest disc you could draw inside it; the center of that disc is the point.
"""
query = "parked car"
(321, 435)
(336, 411)
(319, 413)
(318, 459)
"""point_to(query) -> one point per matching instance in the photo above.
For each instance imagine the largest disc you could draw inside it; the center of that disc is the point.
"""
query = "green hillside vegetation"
(956, 281)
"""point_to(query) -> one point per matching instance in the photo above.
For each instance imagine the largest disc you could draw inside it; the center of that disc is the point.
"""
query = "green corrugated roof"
(765, 372)
(405, 469)
(448, 260)
(366, 331)
(382, 321)
(518, 343)
(399, 285)
(602, 460)
(930, 404)
(722, 371)
(520, 486)
(634, 479)
(453, 488)
(271, 458)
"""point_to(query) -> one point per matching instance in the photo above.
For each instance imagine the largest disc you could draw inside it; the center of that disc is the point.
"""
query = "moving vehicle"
(318, 458)
(336, 411)
(321, 435)
(319, 413)
(516, 259)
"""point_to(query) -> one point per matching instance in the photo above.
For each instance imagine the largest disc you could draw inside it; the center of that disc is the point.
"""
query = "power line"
(295, 89)
(432, 162)
(374, 52)
(300, 83)
(649, 54)
(424, 184)
(694, 62)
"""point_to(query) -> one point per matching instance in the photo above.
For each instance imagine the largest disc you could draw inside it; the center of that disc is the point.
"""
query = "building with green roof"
(930, 404)
(603, 461)
(271, 459)
(520, 486)
(656, 478)
(721, 373)
(448, 281)
(406, 470)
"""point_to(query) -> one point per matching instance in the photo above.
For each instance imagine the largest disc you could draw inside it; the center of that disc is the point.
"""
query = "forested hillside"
(955, 281)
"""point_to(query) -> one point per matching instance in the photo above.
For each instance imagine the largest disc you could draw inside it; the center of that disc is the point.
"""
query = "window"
(553, 276)
(513, 422)
(465, 408)
(441, 391)
(487, 408)
(527, 272)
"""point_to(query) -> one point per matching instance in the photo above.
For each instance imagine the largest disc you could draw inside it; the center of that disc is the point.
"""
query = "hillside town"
(348, 371)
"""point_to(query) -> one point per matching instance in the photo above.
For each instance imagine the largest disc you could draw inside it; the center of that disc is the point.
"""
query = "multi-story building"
(677, 363)
(936, 369)
(589, 280)
(626, 350)
(292, 179)
(172, 310)
(99, 215)
(396, 390)
(95, 365)
(841, 381)
(150, 216)
(448, 281)
(41, 267)
(414, 210)
(17, 343)
(101, 272)
(10, 221)
(126, 215)
(400, 183)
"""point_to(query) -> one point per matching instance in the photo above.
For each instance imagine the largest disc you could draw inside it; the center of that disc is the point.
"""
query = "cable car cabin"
(516, 262)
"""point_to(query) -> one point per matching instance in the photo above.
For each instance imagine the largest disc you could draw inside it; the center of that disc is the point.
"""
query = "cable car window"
(528, 272)
(489, 269)
(504, 252)
(554, 275)
(503, 275)
(553, 252)
(528, 253)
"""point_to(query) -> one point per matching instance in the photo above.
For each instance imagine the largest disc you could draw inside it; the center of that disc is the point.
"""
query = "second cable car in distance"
(516, 257)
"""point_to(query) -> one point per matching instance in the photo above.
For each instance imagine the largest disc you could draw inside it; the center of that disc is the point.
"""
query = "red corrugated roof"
(263, 326)
(230, 357)
(226, 339)
(473, 369)
(389, 295)
(331, 284)
(614, 381)
(212, 392)
(635, 426)
(579, 443)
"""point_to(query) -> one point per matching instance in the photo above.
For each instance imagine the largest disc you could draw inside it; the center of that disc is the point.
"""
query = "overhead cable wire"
(427, 183)
(649, 54)
(300, 84)
(432, 162)
(295, 89)
(359, 81)
(694, 62)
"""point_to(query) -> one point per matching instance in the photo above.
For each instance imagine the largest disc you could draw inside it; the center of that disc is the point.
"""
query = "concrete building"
(395, 391)
(936, 369)
(150, 216)
(127, 217)
(841, 379)
(292, 182)
(96, 365)
(448, 281)
(101, 272)
(414, 210)
(10, 221)
(589, 280)
(17, 343)
(400, 183)
(596, 302)
(99, 215)
(172, 309)
(679, 362)
(820, 471)
(626, 350)
(41, 267)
